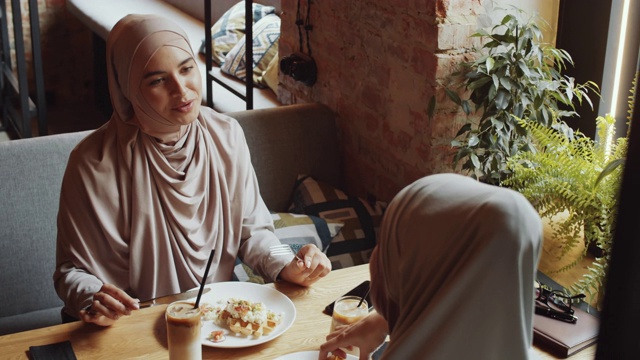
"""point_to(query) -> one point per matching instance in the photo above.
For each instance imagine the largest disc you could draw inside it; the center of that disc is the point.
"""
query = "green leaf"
(453, 96)
(489, 64)
(466, 107)
(465, 128)
(502, 100)
(478, 83)
(475, 160)
(474, 140)
(611, 167)
(431, 108)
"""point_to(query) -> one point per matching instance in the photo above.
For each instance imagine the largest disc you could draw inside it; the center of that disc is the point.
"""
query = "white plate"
(273, 299)
(308, 355)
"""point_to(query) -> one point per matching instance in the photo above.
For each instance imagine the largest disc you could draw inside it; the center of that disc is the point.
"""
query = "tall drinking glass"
(183, 331)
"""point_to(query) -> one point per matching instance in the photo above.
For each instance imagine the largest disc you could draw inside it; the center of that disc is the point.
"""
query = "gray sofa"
(284, 142)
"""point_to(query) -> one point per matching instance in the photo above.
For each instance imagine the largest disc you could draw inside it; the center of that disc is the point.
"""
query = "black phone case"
(359, 290)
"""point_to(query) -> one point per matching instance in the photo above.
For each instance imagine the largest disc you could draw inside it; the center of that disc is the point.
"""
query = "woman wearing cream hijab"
(452, 275)
(146, 197)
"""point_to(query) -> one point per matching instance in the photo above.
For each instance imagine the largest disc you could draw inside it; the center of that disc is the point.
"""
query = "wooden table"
(143, 334)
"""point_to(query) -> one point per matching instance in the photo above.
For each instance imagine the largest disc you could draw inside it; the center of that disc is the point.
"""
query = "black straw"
(204, 278)
(365, 295)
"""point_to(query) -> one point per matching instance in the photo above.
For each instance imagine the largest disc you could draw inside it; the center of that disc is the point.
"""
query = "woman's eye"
(156, 82)
(187, 69)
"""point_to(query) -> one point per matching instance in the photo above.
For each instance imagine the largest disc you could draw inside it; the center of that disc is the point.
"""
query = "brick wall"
(379, 64)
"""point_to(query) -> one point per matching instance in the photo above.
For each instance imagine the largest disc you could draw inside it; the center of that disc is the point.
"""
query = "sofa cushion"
(229, 29)
(30, 183)
(266, 33)
(361, 218)
(295, 230)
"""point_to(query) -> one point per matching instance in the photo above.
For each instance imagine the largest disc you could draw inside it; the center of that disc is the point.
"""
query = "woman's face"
(172, 85)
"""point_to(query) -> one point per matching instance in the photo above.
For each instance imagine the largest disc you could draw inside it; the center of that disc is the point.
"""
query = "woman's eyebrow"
(158, 72)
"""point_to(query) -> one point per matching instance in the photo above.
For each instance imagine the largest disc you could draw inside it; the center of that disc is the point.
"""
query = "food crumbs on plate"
(216, 336)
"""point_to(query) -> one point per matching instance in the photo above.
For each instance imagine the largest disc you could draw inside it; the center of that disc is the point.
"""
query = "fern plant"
(578, 176)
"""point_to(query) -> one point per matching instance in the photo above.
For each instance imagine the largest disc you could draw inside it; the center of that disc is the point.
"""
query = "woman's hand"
(109, 304)
(312, 265)
(367, 334)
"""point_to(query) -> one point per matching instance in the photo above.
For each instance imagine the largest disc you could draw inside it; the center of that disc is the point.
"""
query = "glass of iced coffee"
(183, 331)
(346, 311)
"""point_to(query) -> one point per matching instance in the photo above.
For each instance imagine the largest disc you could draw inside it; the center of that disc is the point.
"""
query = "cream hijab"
(457, 260)
(143, 215)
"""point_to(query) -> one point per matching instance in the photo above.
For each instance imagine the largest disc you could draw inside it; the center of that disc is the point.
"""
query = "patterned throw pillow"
(361, 219)
(266, 33)
(297, 231)
(229, 29)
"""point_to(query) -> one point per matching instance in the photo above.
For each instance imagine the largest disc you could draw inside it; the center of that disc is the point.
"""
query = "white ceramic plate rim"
(307, 355)
(273, 299)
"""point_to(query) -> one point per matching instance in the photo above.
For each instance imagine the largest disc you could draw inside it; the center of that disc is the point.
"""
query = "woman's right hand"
(367, 334)
(109, 304)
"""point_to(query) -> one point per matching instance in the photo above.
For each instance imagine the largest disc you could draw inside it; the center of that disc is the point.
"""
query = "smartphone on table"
(360, 290)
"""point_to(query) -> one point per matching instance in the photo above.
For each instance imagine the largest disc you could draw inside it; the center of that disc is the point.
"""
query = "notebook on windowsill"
(561, 338)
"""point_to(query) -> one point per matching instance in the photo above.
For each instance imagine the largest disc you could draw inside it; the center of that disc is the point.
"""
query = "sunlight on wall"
(547, 9)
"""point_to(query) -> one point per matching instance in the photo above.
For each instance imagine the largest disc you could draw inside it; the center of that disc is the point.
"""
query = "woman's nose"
(179, 86)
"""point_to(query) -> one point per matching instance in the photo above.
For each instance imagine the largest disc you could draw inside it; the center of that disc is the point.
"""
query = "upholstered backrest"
(287, 141)
(30, 177)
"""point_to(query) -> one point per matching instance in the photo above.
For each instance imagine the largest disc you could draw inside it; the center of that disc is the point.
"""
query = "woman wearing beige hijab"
(452, 275)
(147, 196)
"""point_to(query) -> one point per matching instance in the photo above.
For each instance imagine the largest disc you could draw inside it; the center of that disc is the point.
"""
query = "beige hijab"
(143, 215)
(458, 259)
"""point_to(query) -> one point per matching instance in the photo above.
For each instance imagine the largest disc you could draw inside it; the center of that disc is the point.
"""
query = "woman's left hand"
(312, 265)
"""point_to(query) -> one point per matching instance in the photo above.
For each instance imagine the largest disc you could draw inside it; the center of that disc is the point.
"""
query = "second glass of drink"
(346, 311)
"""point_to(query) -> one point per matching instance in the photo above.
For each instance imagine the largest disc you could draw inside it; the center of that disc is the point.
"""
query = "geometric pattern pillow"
(361, 219)
(229, 29)
(266, 33)
(296, 231)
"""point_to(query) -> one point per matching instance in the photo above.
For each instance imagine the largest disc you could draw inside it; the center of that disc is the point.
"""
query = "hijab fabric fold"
(458, 259)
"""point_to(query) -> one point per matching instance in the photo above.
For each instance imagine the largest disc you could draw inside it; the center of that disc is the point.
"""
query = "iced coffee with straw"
(348, 310)
(183, 331)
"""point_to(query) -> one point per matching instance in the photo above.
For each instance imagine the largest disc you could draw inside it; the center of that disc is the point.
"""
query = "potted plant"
(579, 177)
(515, 74)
